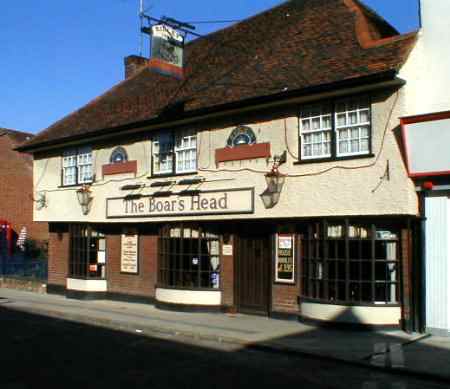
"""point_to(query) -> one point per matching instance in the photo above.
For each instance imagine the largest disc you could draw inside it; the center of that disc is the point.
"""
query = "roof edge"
(114, 131)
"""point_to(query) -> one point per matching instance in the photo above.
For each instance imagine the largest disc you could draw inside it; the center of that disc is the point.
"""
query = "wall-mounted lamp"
(275, 181)
(84, 198)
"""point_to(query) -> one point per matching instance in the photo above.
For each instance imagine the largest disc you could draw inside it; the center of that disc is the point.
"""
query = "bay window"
(351, 263)
(336, 129)
(189, 257)
(174, 153)
(77, 166)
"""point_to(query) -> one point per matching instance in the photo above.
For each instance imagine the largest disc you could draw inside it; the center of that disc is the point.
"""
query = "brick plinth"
(58, 254)
(141, 284)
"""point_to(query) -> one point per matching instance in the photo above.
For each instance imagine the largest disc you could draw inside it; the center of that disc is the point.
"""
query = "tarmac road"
(41, 352)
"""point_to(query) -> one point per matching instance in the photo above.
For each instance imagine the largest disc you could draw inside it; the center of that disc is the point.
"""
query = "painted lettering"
(223, 201)
(195, 203)
(204, 204)
(134, 207)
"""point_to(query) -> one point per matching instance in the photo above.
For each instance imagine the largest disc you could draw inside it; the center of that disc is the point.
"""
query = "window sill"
(160, 286)
(347, 303)
(75, 185)
(333, 159)
(168, 175)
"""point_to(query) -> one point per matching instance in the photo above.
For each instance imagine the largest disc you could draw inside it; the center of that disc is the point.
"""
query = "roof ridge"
(246, 20)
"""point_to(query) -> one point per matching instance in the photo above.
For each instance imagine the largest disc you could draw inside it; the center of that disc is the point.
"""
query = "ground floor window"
(348, 262)
(87, 252)
(189, 256)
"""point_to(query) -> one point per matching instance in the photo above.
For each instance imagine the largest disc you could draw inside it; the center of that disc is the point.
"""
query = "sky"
(57, 55)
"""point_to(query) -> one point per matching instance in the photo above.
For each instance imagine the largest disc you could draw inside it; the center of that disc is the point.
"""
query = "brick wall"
(16, 190)
(227, 275)
(58, 254)
(285, 296)
(142, 284)
(406, 245)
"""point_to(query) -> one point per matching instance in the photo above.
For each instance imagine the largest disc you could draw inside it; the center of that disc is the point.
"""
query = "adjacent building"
(426, 137)
(16, 193)
(265, 176)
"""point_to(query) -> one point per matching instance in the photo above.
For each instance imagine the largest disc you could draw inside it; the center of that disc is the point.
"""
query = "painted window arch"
(119, 155)
(242, 135)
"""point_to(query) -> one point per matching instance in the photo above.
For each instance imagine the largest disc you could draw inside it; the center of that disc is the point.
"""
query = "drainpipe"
(422, 258)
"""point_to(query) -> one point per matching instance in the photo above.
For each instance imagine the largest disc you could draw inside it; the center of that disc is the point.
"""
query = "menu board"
(285, 258)
(129, 255)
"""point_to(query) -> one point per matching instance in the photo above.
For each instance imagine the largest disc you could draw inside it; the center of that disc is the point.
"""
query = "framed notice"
(129, 252)
(285, 258)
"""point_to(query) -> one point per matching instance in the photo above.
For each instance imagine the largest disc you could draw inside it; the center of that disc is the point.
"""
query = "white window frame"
(156, 145)
(363, 110)
(182, 144)
(325, 111)
(74, 159)
(359, 125)
(188, 140)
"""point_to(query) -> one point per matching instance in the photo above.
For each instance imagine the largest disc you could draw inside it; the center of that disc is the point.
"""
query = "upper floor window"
(175, 153)
(315, 127)
(77, 166)
(118, 155)
(338, 129)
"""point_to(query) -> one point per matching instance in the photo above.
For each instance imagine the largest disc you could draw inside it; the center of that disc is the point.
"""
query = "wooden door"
(253, 275)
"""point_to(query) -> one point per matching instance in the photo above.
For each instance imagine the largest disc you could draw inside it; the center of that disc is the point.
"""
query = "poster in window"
(129, 255)
(285, 259)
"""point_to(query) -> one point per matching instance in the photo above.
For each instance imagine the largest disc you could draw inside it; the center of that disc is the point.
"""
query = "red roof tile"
(297, 45)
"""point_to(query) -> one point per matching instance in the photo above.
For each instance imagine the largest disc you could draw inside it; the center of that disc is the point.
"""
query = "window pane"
(186, 152)
(306, 125)
(162, 148)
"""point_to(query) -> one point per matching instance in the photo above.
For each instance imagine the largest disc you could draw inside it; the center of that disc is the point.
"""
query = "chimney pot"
(133, 64)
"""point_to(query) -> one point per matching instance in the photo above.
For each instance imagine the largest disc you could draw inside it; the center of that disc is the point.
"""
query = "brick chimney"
(133, 64)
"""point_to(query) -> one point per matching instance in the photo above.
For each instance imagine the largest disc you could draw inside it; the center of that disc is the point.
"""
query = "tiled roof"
(297, 45)
(17, 137)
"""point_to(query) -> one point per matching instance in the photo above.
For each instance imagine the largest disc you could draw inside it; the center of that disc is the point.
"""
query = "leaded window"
(189, 257)
(346, 262)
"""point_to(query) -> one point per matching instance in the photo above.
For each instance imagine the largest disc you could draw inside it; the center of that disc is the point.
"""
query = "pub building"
(255, 170)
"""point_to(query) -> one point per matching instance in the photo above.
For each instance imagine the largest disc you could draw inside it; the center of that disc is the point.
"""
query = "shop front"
(346, 270)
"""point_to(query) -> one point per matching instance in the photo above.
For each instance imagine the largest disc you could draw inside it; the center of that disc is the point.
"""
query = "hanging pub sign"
(285, 258)
(129, 252)
(167, 50)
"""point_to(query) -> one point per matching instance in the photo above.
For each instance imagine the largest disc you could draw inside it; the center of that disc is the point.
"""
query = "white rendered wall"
(374, 315)
(189, 297)
(437, 247)
(87, 285)
(349, 192)
(427, 69)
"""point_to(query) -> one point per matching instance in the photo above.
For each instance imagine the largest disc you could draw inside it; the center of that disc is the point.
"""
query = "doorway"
(254, 253)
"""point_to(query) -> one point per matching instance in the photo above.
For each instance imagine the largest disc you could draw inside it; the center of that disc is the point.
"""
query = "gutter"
(252, 104)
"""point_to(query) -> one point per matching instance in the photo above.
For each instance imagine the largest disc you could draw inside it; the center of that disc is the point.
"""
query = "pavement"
(420, 355)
